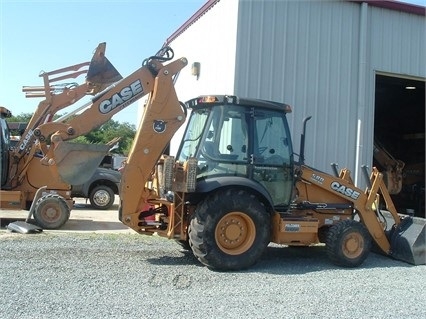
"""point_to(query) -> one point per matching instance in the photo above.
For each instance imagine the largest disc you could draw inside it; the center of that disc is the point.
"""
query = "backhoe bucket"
(76, 163)
(408, 241)
(101, 72)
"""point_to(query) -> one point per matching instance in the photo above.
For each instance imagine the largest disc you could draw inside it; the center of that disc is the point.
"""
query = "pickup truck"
(100, 189)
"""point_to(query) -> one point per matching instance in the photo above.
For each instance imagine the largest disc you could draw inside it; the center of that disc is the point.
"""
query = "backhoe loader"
(234, 185)
(34, 179)
(29, 179)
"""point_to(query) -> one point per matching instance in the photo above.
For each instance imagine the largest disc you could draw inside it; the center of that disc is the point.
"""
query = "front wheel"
(348, 243)
(51, 211)
(230, 230)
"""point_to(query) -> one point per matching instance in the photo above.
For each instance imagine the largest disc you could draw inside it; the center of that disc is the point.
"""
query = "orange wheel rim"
(235, 233)
(353, 245)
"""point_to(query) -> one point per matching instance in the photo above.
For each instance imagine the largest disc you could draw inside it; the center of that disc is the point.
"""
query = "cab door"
(272, 155)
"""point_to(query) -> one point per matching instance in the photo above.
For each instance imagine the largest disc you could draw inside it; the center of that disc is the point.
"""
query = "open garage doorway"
(399, 133)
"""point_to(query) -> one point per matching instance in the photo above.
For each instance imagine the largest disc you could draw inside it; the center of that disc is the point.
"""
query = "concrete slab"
(83, 218)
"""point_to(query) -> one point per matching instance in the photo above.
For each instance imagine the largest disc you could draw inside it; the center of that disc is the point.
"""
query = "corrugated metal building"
(346, 63)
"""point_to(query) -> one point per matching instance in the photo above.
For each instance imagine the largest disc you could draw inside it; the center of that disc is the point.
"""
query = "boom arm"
(313, 182)
(56, 97)
(162, 117)
(152, 78)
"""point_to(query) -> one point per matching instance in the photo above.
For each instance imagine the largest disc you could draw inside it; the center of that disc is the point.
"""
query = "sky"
(47, 35)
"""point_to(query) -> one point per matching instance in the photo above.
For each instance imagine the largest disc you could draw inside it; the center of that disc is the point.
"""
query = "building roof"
(206, 7)
(387, 4)
(396, 5)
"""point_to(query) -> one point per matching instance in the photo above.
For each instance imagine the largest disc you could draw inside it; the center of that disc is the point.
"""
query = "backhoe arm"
(153, 78)
(163, 115)
(393, 174)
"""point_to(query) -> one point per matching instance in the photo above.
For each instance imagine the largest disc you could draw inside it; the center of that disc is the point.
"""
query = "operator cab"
(241, 141)
(4, 144)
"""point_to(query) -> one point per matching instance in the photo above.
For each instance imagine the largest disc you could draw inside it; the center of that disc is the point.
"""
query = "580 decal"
(347, 191)
(125, 95)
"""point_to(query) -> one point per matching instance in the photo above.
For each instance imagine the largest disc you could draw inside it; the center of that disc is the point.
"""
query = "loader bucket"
(408, 241)
(76, 163)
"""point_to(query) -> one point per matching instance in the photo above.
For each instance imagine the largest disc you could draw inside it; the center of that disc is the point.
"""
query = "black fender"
(220, 182)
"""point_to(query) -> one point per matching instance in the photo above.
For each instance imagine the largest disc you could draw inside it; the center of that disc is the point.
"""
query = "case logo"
(26, 140)
(125, 95)
(349, 192)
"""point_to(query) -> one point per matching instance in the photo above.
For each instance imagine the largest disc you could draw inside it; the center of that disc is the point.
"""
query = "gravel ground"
(88, 275)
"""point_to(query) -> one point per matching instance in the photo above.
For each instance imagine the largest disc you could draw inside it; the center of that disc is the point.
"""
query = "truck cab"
(100, 189)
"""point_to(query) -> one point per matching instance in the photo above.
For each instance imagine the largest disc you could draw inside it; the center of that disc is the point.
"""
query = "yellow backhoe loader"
(234, 185)
(28, 179)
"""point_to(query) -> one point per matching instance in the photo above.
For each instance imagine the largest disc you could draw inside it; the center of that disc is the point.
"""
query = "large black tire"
(102, 197)
(229, 230)
(51, 211)
(348, 243)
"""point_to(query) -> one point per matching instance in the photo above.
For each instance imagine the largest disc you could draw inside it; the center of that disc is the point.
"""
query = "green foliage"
(111, 130)
(102, 135)
(23, 117)
(81, 140)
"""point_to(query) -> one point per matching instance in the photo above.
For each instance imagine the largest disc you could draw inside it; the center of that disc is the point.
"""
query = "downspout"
(361, 95)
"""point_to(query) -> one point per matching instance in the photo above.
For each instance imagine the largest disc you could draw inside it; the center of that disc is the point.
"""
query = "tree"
(101, 135)
(23, 117)
(110, 130)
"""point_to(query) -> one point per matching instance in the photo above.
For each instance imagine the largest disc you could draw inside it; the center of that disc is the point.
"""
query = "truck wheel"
(51, 211)
(348, 243)
(229, 230)
(102, 197)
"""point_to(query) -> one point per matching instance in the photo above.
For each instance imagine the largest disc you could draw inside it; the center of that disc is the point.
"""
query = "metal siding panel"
(305, 53)
(309, 63)
(398, 42)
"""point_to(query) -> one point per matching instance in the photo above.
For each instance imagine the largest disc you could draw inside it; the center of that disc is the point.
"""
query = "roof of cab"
(210, 100)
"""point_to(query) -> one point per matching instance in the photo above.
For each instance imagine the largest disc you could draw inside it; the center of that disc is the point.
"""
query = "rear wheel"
(348, 243)
(102, 197)
(51, 211)
(230, 230)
